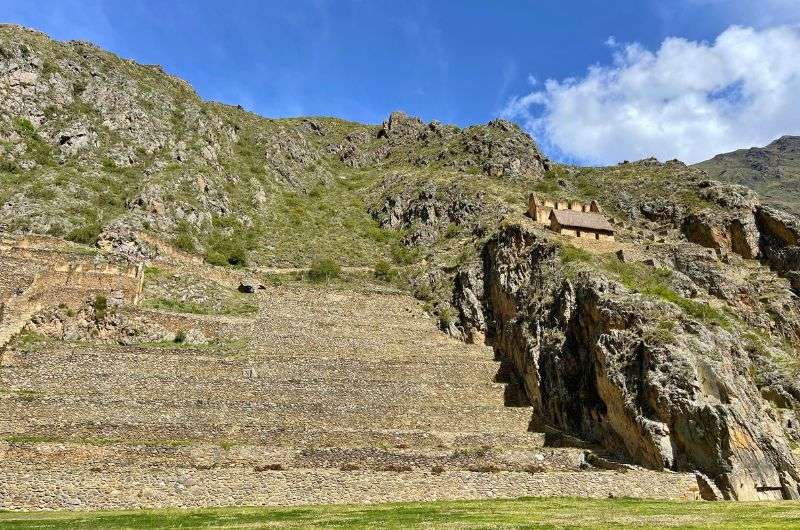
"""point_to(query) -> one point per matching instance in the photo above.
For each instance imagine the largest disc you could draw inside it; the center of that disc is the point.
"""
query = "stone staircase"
(333, 396)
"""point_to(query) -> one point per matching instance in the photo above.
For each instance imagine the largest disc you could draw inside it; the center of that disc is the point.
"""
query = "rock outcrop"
(745, 227)
(426, 214)
(627, 371)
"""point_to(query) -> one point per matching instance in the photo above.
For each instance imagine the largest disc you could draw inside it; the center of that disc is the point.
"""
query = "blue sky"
(459, 62)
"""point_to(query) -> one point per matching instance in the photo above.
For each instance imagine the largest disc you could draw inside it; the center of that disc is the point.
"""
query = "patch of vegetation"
(651, 281)
(570, 254)
(403, 255)
(100, 306)
(29, 341)
(37, 149)
(446, 317)
(324, 270)
(8, 166)
(662, 333)
(21, 394)
(229, 243)
(86, 234)
(506, 513)
(385, 272)
(184, 240)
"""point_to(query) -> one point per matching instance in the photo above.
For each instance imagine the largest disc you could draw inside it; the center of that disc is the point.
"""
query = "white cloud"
(687, 100)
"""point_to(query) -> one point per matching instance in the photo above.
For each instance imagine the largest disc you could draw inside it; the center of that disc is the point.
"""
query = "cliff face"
(598, 361)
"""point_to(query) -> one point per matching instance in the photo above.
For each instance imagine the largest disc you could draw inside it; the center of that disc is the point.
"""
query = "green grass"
(650, 281)
(29, 341)
(519, 513)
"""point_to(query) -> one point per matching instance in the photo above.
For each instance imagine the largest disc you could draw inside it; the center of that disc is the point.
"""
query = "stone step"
(32, 487)
(296, 391)
(86, 373)
(142, 435)
(51, 411)
(203, 456)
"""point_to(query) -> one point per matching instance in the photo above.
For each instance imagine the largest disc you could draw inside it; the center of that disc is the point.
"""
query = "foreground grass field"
(519, 513)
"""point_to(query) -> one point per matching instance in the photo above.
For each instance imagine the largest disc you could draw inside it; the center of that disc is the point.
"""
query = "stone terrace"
(325, 396)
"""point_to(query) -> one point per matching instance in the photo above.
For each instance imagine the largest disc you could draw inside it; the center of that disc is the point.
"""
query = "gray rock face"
(735, 230)
(748, 229)
(762, 168)
(780, 238)
(586, 351)
(427, 213)
(498, 149)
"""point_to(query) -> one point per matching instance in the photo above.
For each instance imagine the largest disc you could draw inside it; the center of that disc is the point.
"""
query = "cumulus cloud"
(687, 100)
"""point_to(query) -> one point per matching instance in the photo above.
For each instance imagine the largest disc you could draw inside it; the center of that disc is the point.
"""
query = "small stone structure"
(572, 218)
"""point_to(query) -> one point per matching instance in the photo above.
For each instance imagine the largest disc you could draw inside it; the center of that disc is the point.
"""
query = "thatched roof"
(584, 220)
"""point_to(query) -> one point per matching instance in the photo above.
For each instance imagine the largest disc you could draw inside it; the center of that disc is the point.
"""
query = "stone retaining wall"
(32, 488)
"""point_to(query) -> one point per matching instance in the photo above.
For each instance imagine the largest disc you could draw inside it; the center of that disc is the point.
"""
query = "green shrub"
(324, 270)
(570, 254)
(25, 127)
(403, 255)
(655, 282)
(384, 271)
(100, 307)
(78, 88)
(87, 234)
(8, 166)
(180, 337)
(184, 242)
(39, 150)
(446, 317)
(224, 250)
(183, 238)
(49, 68)
(424, 293)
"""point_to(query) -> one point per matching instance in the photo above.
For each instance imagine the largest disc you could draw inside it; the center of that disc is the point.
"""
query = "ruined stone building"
(573, 218)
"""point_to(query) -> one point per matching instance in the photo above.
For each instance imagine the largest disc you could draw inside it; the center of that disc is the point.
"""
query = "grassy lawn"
(520, 513)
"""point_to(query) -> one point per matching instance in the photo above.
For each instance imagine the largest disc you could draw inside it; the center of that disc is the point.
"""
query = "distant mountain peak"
(773, 170)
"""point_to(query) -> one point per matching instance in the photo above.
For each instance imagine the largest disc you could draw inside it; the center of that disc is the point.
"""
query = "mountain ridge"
(773, 171)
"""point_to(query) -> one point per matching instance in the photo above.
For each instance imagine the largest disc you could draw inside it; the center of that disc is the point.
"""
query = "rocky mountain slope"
(674, 347)
(773, 171)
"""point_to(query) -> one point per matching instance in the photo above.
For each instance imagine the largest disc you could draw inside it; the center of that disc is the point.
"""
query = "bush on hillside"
(384, 271)
(86, 234)
(324, 270)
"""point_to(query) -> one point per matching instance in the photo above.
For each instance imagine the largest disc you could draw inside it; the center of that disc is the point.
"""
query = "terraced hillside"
(325, 395)
(674, 348)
